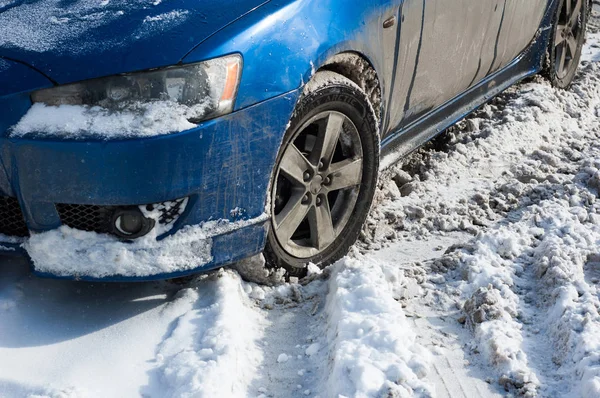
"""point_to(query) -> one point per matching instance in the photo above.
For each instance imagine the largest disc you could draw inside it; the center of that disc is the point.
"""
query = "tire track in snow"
(340, 332)
(293, 347)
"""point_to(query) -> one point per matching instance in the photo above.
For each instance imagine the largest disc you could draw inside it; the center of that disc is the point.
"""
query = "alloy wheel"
(567, 36)
(317, 184)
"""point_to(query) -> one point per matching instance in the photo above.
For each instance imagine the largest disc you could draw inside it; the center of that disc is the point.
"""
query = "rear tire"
(325, 175)
(566, 42)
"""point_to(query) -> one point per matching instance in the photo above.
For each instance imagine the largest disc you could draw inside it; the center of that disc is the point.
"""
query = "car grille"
(83, 217)
(99, 218)
(12, 222)
(169, 211)
(86, 217)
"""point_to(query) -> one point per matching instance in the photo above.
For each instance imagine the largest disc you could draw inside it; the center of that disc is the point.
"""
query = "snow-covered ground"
(478, 274)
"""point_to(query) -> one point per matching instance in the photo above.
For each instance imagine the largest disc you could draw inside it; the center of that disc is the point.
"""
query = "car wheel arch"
(360, 70)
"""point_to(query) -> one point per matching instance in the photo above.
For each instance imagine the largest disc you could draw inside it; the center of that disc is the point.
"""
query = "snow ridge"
(212, 350)
(372, 346)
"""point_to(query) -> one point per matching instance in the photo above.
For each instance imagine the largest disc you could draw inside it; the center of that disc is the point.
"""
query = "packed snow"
(68, 251)
(372, 348)
(477, 274)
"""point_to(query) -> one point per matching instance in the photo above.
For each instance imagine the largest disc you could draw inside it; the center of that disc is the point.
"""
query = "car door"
(444, 47)
(520, 23)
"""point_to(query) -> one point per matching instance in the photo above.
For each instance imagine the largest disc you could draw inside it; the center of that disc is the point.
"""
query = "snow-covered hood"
(71, 40)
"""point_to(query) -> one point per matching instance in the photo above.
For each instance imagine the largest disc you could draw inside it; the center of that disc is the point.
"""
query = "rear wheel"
(567, 40)
(325, 175)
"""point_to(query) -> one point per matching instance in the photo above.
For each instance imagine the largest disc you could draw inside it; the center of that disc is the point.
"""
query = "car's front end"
(87, 204)
(147, 173)
(138, 140)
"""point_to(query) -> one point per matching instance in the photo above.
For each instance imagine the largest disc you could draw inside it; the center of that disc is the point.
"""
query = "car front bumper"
(223, 166)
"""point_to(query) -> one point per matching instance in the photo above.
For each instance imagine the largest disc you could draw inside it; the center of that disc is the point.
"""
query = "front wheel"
(325, 175)
(566, 42)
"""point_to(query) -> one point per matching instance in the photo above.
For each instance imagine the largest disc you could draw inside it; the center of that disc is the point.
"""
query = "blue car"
(154, 139)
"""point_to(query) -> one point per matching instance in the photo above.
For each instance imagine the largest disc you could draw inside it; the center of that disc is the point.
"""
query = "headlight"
(205, 90)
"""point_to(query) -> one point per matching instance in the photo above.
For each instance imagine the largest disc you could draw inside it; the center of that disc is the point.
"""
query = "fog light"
(130, 223)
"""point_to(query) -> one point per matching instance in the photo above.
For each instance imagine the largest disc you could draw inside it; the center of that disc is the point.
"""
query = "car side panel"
(528, 62)
(444, 48)
(488, 50)
(454, 34)
(408, 47)
(521, 22)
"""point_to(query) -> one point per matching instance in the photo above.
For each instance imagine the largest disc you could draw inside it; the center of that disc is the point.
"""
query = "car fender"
(284, 43)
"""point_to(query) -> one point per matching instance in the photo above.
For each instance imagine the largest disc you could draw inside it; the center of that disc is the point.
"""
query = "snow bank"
(68, 251)
(83, 121)
(212, 350)
(530, 268)
(372, 347)
(552, 240)
(570, 241)
(521, 177)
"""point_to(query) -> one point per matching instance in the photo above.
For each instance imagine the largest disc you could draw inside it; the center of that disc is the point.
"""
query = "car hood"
(71, 40)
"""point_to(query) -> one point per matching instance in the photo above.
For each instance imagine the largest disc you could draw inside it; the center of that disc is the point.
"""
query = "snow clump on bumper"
(70, 252)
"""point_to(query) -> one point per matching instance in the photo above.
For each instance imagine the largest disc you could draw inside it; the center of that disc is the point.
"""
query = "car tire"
(566, 42)
(325, 175)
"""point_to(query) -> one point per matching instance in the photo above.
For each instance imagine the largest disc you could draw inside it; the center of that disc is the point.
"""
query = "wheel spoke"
(329, 137)
(321, 225)
(345, 174)
(290, 218)
(294, 164)
(568, 6)
(572, 44)
(575, 14)
(559, 36)
(562, 59)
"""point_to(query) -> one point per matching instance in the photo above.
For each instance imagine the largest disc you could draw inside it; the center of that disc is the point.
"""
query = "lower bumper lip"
(225, 248)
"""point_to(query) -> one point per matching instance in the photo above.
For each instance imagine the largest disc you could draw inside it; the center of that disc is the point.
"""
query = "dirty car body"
(434, 61)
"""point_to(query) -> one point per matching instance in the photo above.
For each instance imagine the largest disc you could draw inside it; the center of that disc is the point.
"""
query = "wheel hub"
(316, 184)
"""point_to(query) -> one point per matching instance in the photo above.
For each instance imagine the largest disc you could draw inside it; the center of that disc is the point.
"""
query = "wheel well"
(358, 69)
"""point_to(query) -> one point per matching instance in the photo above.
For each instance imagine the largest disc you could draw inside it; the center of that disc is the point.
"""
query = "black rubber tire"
(334, 93)
(549, 71)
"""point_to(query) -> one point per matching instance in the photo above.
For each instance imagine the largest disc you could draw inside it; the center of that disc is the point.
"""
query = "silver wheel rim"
(317, 184)
(567, 36)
